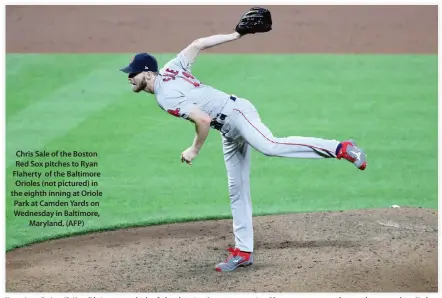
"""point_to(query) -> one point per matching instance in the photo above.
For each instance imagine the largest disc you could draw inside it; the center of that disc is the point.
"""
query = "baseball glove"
(256, 20)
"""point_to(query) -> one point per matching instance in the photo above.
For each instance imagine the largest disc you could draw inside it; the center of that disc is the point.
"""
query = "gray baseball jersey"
(177, 91)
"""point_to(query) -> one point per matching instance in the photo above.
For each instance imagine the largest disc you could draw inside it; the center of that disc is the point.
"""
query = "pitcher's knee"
(235, 187)
(268, 149)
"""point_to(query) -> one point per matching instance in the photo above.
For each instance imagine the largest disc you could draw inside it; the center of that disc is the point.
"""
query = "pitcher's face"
(138, 81)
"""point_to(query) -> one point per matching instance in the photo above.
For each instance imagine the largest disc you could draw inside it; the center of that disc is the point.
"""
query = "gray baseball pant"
(242, 130)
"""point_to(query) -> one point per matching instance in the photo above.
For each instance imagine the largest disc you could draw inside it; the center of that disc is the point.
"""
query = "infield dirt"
(365, 250)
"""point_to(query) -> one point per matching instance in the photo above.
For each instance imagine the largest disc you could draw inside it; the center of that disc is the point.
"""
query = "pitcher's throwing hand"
(188, 155)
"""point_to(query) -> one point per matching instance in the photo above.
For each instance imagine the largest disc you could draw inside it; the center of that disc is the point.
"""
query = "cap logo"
(145, 67)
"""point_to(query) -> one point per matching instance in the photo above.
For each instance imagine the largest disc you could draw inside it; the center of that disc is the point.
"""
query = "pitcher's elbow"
(198, 44)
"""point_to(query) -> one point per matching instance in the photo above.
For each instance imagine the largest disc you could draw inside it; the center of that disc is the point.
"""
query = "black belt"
(218, 122)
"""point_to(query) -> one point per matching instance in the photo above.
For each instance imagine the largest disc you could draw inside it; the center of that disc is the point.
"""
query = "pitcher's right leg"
(237, 160)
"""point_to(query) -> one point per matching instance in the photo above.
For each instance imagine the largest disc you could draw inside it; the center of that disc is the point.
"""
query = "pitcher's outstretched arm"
(193, 50)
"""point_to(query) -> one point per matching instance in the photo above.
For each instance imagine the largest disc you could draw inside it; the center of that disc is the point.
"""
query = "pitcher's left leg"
(259, 136)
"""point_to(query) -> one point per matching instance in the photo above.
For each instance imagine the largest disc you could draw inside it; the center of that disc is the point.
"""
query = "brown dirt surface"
(391, 250)
(370, 250)
(310, 29)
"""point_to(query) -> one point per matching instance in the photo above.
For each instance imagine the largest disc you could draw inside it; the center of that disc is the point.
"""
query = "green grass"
(81, 102)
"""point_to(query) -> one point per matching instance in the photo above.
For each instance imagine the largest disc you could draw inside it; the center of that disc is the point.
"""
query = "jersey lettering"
(174, 72)
(176, 97)
(171, 75)
(191, 79)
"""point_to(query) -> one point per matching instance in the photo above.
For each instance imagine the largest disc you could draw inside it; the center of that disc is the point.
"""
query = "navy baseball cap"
(141, 62)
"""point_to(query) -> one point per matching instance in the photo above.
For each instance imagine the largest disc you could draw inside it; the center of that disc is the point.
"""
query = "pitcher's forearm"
(194, 49)
(202, 131)
(214, 40)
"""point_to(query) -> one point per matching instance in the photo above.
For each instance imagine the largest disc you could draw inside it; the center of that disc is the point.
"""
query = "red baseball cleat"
(349, 151)
(237, 258)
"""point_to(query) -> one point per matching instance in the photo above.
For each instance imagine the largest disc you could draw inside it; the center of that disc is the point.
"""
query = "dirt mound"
(369, 250)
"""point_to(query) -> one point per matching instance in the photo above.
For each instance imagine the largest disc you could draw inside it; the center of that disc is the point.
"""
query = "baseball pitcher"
(181, 94)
